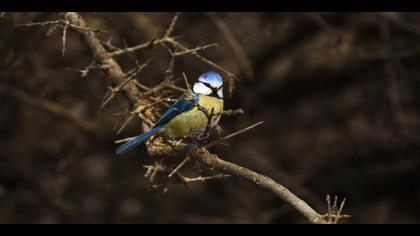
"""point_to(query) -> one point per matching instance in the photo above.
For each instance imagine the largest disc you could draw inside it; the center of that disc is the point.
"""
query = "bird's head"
(209, 84)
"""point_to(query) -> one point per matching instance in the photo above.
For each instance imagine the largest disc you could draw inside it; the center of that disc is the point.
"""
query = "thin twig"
(205, 178)
(150, 43)
(165, 84)
(186, 159)
(227, 137)
(171, 25)
(84, 72)
(230, 112)
(197, 49)
(124, 140)
(64, 39)
(206, 133)
(187, 84)
(339, 211)
(113, 91)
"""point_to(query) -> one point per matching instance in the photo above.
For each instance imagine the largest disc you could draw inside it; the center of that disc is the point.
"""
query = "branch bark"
(130, 90)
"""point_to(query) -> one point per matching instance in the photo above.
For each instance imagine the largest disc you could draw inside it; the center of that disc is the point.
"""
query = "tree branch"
(202, 155)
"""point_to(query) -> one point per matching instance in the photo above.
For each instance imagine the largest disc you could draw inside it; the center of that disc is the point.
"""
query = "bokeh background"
(339, 94)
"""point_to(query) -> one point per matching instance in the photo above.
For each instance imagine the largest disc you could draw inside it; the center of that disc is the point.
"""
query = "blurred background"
(339, 94)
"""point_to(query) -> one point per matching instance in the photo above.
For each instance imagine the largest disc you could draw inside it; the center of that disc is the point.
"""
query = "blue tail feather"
(130, 145)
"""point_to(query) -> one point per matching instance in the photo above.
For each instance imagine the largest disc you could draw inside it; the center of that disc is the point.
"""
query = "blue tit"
(184, 118)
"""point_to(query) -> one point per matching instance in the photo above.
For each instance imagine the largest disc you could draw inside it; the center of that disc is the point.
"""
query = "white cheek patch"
(200, 88)
(220, 92)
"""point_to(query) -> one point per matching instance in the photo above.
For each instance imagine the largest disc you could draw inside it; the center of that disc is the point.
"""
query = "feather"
(128, 146)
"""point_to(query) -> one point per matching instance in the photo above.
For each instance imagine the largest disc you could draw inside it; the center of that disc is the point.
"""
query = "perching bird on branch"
(186, 116)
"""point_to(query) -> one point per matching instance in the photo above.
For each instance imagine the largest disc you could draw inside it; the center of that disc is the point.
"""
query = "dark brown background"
(338, 93)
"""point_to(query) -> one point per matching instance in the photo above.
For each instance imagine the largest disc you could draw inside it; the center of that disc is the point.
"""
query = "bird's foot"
(203, 136)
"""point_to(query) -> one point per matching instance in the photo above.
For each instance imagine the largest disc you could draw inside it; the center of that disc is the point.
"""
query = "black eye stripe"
(214, 91)
(209, 86)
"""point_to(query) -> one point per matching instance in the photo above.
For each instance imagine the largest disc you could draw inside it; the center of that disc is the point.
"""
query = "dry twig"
(223, 139)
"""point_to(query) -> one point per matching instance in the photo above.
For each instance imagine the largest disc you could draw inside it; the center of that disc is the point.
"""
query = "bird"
(186, 116)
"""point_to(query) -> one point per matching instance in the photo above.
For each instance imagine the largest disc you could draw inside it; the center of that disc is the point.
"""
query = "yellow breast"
(194, 121)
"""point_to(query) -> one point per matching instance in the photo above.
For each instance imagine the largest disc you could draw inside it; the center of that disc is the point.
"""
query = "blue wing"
(177, 108)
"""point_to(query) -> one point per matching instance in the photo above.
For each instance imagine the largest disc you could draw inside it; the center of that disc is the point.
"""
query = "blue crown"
(212, 77)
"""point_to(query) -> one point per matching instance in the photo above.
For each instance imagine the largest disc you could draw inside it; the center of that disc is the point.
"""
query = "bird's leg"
(165, 140)
(191, 141)
(203, 136)
(206, 132)
(195, 141)
(201, 139)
